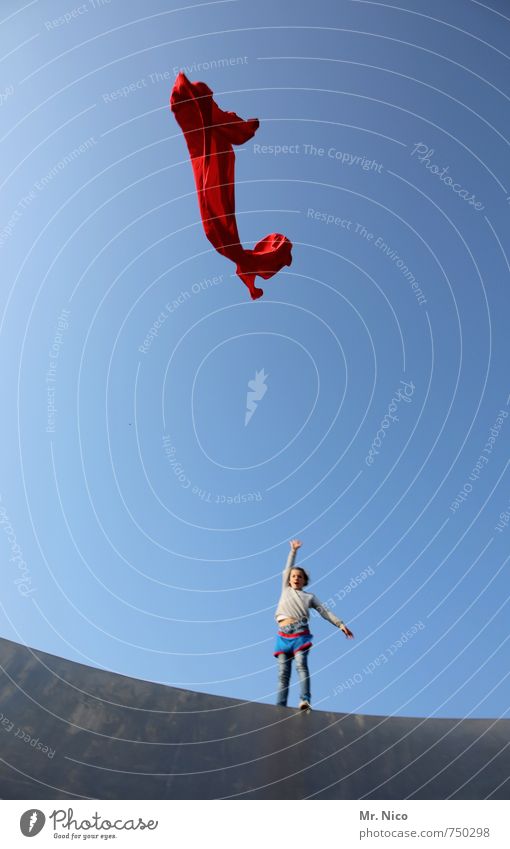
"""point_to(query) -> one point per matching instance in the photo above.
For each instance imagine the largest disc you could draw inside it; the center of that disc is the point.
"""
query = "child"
(294, 637)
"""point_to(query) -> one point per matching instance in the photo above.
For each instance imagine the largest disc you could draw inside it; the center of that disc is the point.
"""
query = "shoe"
(304, 705)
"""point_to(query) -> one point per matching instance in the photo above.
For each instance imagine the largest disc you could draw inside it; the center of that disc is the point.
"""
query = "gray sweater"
(296, 604)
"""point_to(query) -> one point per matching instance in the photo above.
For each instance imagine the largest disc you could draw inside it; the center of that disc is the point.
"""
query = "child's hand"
(348, 633)
(295, 544)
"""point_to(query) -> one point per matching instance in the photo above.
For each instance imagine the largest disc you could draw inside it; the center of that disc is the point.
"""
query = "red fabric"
(299, 634)
(210, 134)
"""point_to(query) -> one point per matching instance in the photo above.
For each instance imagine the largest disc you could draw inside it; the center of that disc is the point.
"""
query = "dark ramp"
(72, 731)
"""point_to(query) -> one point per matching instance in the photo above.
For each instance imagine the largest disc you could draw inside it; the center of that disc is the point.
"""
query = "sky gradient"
(144, 522)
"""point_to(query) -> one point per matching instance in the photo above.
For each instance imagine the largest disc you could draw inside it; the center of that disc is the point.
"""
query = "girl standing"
(294, 638)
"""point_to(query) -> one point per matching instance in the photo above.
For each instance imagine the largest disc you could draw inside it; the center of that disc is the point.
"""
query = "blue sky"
(143, 524)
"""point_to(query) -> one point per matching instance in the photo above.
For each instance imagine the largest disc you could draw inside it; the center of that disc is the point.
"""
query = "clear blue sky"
(143, 525)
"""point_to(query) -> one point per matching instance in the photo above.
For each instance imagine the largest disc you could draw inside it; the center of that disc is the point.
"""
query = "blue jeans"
(284, 670)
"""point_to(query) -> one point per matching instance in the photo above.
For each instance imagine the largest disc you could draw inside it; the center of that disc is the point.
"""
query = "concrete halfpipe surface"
(74, 732)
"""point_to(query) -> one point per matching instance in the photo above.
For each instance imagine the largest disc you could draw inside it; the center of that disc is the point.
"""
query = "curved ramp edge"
(70, 731)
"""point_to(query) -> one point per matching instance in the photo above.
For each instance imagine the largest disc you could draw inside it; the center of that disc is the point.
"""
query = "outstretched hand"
(348, 633)
(295, 544)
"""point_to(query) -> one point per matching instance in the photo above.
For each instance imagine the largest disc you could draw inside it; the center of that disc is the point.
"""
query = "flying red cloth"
(210, 134)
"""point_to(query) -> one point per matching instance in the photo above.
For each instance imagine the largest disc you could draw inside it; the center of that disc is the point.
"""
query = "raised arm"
(294, 545)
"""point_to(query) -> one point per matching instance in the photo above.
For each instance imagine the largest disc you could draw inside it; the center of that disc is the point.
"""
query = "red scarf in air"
(210, 134)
